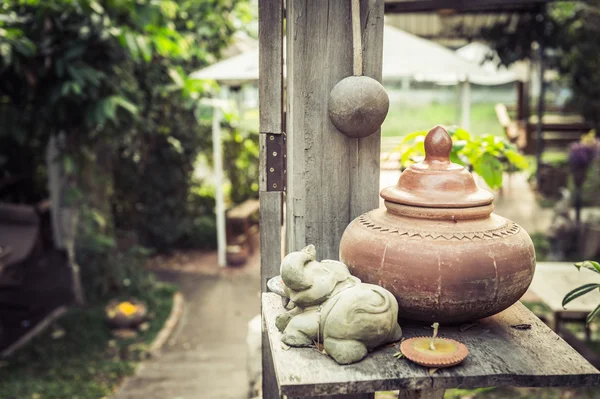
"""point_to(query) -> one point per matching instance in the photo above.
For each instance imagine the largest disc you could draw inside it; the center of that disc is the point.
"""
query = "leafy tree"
(570, 31)
(103, 77)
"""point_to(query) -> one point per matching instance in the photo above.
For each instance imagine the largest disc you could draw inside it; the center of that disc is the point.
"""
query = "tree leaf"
(577, 292)
(125, 104)
(516, 159)
(588, 264)
(145, 47)
(176, 77)
(94, 5)
(490, 169)
(132, 45)
(412, 136)
(461, 134)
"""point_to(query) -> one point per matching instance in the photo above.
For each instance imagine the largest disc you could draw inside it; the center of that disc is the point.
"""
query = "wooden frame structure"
(326, 180)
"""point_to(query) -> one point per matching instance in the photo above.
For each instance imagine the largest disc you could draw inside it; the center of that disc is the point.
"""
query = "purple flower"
(580, 155)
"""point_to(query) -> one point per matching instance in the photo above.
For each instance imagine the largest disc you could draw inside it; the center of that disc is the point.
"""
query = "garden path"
(205, 358)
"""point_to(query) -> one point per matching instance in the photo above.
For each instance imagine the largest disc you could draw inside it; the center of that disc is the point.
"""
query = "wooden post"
(331, 178)
(270, 89)
(539, 138)
(520, 100)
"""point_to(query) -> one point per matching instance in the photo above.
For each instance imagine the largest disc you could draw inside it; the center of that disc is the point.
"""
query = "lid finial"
(437, 182)
(438, 145)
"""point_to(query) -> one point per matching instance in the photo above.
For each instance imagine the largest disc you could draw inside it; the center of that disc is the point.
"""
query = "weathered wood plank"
(357, 396)
(271, 121)
(422, 394)
(295, 207)
(270, 64)
(499, 356)
(270, 87)
(270, 235)
(365, 165)
(270, 390)
(332, 178)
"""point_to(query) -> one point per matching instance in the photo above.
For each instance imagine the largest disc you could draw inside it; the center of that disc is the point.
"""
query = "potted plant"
(486, 155)
(125, 314)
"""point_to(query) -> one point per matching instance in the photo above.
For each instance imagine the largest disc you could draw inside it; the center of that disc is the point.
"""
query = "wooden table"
(499, 356)
(553, 280)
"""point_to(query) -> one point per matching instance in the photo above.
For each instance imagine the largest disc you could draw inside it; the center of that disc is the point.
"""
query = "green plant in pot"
(487, 155)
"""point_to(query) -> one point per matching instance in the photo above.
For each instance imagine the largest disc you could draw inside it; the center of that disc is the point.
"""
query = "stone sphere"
(358, 106)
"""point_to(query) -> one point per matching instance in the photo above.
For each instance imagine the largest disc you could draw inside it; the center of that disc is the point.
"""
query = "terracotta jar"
(437, 246)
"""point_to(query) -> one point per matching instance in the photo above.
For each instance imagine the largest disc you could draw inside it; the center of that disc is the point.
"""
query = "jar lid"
(436, 182)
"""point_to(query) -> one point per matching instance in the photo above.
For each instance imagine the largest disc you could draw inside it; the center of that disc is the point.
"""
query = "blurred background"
(129, 163)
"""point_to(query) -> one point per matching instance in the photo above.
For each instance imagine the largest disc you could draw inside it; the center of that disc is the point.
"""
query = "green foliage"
(240, 155)
(571, 33)
(87, 362)
(584, 289)
(488, 156)
(108, 270)
(405, 118)
(113, 75)
(541, 245)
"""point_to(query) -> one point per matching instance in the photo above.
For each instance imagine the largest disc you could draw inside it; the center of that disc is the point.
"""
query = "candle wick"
(435, 332)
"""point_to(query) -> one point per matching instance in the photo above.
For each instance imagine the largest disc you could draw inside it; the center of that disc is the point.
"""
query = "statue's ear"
(311, 251)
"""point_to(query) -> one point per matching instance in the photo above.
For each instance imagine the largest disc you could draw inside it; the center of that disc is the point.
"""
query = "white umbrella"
(404, 56)
(233, 71)
(409, 56)
(489, 62)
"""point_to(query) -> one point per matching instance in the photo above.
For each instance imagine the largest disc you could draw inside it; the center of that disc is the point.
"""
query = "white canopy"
(489, 62)
(232, 71)
(409, 56)
(404, 56)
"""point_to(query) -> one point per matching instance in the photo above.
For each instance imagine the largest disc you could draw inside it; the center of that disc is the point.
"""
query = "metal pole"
(218, 170)
(539, 143)
(465, 105)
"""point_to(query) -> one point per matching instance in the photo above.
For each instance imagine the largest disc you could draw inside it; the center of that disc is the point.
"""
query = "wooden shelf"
(499, 356)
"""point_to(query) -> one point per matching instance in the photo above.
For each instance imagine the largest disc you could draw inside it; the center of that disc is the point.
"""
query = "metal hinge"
(276, 162)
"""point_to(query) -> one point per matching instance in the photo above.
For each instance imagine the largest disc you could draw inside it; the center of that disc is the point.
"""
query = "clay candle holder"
(127, 314)
(433, 351)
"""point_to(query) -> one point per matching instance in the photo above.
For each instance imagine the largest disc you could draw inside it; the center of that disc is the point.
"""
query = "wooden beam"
(270, 65)
(463, 6)
(271, 125)
(331, 178)
(270, 89)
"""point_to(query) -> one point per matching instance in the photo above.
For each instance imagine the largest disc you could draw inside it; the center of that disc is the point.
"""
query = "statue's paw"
(345, 351)
(282, 321)
(296, 338)
(397, 335)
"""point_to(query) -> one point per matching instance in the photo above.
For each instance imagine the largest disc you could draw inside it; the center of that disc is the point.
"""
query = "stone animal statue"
(331, 306)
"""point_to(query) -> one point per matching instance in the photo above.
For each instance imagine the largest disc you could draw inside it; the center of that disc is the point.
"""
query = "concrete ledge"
(167, 329)
(159, 341)
(35, 331)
